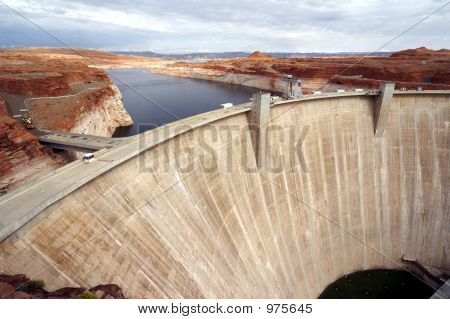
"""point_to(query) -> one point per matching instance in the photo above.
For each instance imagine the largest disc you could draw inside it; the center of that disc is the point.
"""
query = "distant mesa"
(420, 52)
(257, 55)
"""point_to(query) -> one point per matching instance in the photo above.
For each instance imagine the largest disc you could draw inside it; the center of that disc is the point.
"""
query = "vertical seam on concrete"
(378, 196)
(173, 252)
(266, 213)
(250, 244)
(130, 252)
(312, 225)
(325, 195)
(307, 215)
(253, 218)
(347, 193)
(292, 224)
(244, 232)
(436, 177)
(305, 276)
(224, 224)
(445, 198)
(113, 229)
(362, 210)
(384, 192)
(418, 200)
(338, 191)
(297, 201)
(403, 186)
(282, 234)
(269, 222)
(395, 149)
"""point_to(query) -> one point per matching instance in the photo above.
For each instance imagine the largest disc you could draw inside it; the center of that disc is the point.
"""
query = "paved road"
(78, 142)
(20, 206)
(15, 105)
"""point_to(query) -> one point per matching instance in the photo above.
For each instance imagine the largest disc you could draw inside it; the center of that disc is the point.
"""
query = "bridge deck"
(78, 142)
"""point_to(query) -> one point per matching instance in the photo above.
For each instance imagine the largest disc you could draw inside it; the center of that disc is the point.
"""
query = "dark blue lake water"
(153, 100)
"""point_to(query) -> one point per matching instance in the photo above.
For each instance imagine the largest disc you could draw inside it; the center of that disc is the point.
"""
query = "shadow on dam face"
(161, 225)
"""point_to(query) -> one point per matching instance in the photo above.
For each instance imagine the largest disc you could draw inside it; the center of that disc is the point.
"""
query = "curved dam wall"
(193, 218)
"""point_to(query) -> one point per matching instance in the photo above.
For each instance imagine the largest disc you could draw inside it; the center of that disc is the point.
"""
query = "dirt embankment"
(409, 69)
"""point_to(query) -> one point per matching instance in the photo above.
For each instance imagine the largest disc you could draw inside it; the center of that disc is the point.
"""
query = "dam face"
(193, 218)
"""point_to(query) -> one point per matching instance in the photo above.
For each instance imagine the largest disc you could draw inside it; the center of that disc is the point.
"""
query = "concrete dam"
(187, 211)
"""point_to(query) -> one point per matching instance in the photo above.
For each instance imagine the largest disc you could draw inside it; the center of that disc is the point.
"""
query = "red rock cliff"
(22, 158)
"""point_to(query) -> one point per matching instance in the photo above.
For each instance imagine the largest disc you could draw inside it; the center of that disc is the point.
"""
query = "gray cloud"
(210, 25)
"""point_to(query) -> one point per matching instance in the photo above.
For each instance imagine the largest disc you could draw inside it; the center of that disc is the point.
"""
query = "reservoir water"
(153, 100)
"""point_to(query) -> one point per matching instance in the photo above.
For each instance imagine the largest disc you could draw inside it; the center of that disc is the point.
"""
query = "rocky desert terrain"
(63, 90)
(410, 69)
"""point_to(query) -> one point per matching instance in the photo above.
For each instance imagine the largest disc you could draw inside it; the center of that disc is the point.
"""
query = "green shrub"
(31, 284)
(87, 295)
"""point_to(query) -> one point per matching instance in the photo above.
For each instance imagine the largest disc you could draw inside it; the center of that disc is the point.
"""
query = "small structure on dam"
(292, 88)
(187, 210)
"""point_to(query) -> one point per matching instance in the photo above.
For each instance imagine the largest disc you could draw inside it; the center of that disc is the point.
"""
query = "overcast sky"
(174, 26)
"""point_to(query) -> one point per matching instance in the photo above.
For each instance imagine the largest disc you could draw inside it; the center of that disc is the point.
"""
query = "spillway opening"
(378, 284)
